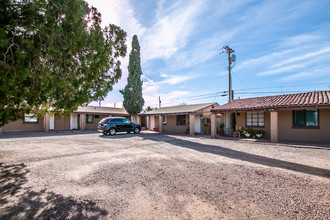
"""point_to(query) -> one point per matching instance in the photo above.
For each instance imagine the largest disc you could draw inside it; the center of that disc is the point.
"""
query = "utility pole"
(159, 102)
(230, 60)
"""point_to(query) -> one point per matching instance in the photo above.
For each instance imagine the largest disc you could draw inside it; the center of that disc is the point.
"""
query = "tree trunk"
(134, 118)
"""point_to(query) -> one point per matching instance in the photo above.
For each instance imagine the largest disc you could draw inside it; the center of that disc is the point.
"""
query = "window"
(89, 118)
(164, 119)
(180, 120)
(30, 118)
(116, 120)
(126, 121)
(255, 119)
(96, 116)
(305, 118)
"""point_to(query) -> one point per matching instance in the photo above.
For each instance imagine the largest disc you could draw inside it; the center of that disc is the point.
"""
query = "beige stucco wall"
(206, 111)
(287, 133)
(240, 121)
(19, 125)
(93, 126)
(171, 127)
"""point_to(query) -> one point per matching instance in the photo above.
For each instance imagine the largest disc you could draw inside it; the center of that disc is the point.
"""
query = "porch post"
(161, 124)
(149, 123)
(274, 126)
(46, 123)
(192, 124)
(138, 119)
(82, 122)
(213, 125)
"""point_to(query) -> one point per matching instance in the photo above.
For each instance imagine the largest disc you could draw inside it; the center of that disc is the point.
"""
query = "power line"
(241, 92)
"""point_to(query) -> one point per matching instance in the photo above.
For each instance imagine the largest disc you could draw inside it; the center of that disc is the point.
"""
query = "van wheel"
(136, 130)
(112, 131)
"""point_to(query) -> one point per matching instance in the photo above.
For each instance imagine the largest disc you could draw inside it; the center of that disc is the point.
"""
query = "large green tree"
(133, 100)
(55, 56)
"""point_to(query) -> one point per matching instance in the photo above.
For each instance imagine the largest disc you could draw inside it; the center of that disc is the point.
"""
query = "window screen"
(89, 118)
(30, 118)
(255, 119)
(180, 120)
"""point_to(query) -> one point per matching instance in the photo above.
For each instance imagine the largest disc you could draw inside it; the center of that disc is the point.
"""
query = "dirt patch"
(150, 176)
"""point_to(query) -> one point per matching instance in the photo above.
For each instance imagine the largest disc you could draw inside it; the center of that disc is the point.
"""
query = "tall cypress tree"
(133, 100)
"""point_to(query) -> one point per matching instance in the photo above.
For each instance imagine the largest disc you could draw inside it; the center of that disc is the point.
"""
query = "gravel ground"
(85, 175)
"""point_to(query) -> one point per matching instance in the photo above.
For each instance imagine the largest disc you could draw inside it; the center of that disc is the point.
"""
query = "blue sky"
(281, 47)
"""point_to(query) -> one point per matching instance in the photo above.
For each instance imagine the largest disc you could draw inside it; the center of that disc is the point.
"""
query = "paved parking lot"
(86, 175)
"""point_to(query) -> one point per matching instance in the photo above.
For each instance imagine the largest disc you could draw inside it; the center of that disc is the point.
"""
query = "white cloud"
(171, 30)
(201, 52)
(120, 13)
(282, 70)
(323, 71)
(303, 57)
(263, 59)
(151, 94)
(172, 80)
(301, 39)
(163, 75)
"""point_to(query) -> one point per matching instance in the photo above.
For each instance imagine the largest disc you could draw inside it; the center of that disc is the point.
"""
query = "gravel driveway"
(86, 175)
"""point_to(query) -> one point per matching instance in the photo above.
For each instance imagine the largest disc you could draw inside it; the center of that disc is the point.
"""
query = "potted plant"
(245, 133)
(252, 132)
(222, 129)
(259, 133)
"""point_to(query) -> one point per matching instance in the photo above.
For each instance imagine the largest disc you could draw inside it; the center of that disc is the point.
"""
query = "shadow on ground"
(45, 134)
(243, 156)
(20, 203)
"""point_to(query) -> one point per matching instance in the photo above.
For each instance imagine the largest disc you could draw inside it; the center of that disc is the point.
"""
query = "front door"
(52, 122)
(74, 121)
(197, 124)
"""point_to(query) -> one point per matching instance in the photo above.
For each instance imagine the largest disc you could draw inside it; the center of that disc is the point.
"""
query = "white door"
(52, 122)
(74, 121)
(197, 124)
(152, 122)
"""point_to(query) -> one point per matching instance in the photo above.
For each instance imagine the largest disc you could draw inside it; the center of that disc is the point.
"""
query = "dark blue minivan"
(111, 125)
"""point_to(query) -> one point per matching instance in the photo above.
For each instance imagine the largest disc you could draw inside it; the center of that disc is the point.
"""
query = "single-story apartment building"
(84, 118)
(300, 117)
(181, 119)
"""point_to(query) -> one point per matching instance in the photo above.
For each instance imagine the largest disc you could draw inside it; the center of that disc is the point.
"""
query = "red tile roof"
(298, 100)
